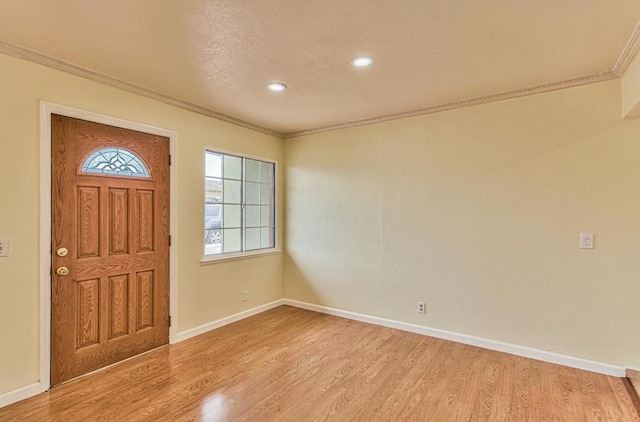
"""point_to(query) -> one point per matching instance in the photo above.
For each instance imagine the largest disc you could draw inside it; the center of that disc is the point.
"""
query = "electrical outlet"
(422, 309)
(4, 247)
(245, 295)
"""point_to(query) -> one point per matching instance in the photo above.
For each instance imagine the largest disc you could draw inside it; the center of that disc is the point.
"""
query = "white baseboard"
(196, 331)
(551, 357)
(22, 393)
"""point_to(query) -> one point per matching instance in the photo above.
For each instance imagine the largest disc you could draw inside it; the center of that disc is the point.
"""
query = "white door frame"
(46, 109)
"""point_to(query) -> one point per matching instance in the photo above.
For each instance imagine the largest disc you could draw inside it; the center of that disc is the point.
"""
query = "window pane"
(115, 162)
(212, 191)
(253, 193)
(265, 172)
(253, 216)
(239, 204)
(232, 216)
(213, 248)
(265, 194)
(232, 193)
(265, 238)
(252, 172)
(212, 215)
(212, 235)
(265, 216)
(231, 241)
(232, 167)
(213, 165)
(252, 239)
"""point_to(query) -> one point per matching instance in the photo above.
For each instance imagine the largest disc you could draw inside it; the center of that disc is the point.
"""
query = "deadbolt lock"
(62, 271)
(62, 252)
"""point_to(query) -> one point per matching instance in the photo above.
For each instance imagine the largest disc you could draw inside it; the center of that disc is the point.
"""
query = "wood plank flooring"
(289, 364)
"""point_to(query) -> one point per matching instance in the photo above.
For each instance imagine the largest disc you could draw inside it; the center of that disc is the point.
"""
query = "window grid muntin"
(270, 185)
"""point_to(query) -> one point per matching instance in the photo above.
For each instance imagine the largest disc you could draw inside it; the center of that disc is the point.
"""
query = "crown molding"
(42, 59)
(633, 46)
(538, 89)
(628, 53)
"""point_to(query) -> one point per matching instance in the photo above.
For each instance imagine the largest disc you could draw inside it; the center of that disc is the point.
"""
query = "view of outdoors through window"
(239, 205)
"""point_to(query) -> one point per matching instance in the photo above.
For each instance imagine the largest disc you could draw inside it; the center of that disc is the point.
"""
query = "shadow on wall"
(296, 284)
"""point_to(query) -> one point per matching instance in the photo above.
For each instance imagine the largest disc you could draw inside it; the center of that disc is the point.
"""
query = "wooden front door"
(110, 245)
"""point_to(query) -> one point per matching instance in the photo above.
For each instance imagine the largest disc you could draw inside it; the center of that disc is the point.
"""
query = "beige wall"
(205, 293)
(478, 212)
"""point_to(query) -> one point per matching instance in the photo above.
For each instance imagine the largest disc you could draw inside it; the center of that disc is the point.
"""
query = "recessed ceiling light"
(277, 86)
(362, 61)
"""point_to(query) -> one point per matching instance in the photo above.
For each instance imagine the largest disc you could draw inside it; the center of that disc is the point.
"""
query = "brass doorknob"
(62, 271)
(62, 252)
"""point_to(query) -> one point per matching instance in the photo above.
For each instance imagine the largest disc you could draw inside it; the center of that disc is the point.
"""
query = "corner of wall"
(631, 77)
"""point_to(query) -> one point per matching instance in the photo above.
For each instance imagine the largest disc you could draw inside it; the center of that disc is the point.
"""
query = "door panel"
(114, 301)
(88, 312)
(118, 221)
(88, 221)
(145, 300)
(118, 305)
(144, 228)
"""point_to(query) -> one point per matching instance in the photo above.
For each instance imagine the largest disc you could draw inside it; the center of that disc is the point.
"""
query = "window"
(239, 204)
(115, 162)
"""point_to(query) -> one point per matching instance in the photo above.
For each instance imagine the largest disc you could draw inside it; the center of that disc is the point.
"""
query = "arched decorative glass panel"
(115, 162)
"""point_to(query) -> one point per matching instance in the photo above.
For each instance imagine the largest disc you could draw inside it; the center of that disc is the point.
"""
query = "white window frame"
(212, 259)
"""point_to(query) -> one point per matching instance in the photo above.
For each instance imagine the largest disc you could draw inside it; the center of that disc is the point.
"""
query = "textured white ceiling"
(220, 54)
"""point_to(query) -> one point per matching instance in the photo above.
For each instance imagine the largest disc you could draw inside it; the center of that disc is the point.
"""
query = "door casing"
(46, 109)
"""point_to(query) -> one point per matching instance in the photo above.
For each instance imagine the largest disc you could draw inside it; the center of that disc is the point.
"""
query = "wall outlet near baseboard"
(245, 295)
(422, 309)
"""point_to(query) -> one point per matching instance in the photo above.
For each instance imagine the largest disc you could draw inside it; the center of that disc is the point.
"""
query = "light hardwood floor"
(289, 364)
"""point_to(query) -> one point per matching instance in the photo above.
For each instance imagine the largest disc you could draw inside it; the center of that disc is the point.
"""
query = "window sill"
(235, 256)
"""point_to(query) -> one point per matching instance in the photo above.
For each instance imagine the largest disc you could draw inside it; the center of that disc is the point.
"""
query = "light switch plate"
(586, 240)
(4, 247)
